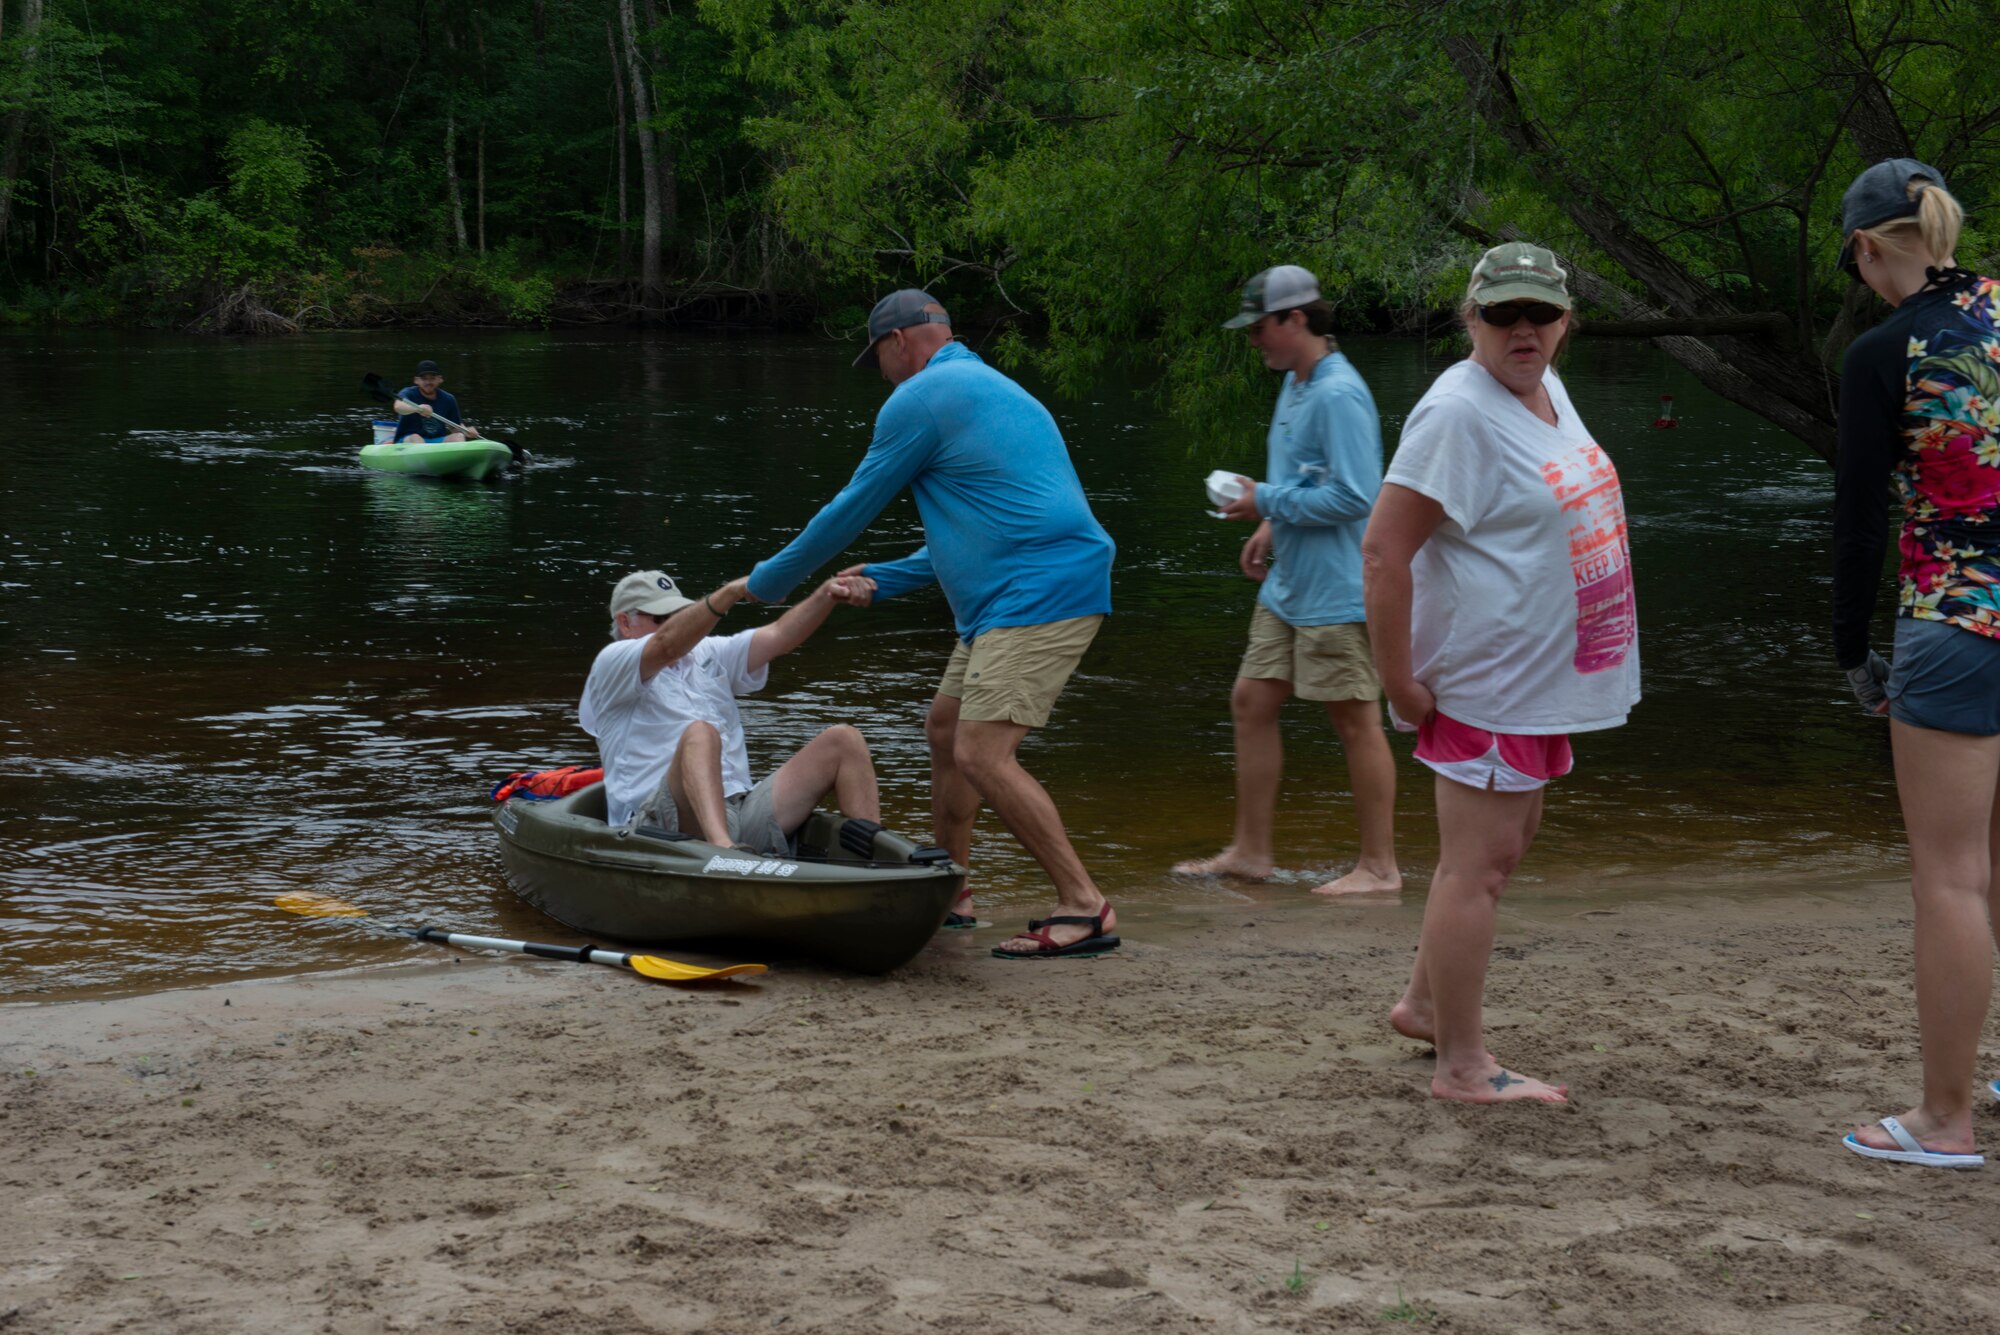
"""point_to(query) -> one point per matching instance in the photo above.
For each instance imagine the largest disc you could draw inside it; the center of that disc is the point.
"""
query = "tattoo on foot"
(1504, 1079)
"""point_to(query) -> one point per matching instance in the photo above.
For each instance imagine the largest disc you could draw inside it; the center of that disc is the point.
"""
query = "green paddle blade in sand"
(310, 905)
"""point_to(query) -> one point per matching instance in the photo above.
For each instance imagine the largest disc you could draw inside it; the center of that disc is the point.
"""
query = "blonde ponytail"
(1938, 217)
(1935, 228)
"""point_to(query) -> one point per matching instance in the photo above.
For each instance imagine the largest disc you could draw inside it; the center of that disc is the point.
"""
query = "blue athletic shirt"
(416, 424)
(1008, 533)
(1323, 469)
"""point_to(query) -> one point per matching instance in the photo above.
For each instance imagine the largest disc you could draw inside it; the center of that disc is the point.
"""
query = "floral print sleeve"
(1920, 401)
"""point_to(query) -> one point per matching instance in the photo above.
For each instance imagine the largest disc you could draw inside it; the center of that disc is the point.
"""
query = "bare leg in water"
(1371, 772)
(1254, 703)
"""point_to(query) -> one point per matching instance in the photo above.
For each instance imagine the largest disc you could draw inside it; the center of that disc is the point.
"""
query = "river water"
(242, 665)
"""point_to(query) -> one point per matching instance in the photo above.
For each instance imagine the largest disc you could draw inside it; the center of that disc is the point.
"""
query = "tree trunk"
(17, 124)
(453, 200)
(666, 161)
(618, 98)
(649, 237)
(479, 152)
(1783, 383)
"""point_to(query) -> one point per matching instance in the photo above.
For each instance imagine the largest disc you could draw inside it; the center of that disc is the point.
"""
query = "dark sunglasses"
(1538, 313)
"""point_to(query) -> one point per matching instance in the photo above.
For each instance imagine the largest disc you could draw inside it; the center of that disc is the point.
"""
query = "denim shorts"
(1945, 678)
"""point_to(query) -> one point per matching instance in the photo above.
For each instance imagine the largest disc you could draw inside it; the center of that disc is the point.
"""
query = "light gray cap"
(650, 591)
(1276, 289)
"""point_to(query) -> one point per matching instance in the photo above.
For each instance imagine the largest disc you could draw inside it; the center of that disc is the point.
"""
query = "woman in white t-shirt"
(1499, 594)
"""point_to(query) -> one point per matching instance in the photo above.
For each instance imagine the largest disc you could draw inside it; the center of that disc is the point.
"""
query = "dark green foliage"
(176, 161)
(1102, 173)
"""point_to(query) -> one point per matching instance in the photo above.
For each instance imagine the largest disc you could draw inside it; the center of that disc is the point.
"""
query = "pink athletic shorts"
(1502, 762)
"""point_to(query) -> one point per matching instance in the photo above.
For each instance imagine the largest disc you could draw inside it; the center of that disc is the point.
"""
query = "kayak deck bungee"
(436, 458)
(855, 896)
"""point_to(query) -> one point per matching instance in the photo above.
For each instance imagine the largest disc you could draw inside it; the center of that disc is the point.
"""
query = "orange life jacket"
(546, 785)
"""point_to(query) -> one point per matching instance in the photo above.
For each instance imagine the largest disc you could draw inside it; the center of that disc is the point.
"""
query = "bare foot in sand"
(1363, 881)
(1410, 1020)
(1493, 1083)
(1226, 863)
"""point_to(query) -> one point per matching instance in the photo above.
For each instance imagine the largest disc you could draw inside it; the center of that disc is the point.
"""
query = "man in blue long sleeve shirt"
(1025, 566)
(1309, 634)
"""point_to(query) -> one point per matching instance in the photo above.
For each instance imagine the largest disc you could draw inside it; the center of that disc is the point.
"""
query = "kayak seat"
(661, 832)
(857, 836)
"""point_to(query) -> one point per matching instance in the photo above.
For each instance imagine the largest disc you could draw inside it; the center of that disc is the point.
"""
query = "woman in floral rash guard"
(1920, 403)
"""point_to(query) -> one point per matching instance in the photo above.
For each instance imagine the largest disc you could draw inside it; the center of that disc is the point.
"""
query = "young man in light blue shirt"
(1026, 567)
(1309, 634)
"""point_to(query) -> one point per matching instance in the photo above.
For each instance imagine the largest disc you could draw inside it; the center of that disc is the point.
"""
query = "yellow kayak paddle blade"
(673, 971)
(310, 905)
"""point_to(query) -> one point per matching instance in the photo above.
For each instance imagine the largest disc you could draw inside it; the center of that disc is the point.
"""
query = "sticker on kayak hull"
(750, 866)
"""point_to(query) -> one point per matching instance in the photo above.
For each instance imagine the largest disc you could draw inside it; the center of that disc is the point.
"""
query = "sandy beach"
(1211, 1130)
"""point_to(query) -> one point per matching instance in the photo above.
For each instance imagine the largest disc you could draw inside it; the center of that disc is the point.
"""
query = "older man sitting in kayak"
(661, 702)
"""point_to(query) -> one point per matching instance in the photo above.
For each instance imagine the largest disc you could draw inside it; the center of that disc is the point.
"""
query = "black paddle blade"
(378, 389)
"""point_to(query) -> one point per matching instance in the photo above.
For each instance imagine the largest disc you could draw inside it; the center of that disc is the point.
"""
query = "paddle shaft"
(579, 954)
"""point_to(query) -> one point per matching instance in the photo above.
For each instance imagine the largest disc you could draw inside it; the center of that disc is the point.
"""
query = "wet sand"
(1211, 1130)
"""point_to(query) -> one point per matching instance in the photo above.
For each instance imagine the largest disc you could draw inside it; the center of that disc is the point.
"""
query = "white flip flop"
(1911, 1151)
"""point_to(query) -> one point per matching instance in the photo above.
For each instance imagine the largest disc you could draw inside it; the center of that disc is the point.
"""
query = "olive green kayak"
(437, 458)
(854, 895)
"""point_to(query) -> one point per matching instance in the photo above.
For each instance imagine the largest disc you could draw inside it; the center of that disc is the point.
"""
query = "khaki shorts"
(753, 817)
(1321, 662)
(1013, 674)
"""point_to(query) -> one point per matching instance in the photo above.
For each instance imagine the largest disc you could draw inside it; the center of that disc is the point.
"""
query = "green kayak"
(441, 458)
(854, 895)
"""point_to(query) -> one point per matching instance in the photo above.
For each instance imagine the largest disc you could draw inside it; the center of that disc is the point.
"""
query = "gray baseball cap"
(1880, 194)
(1281, 288)
(898, 310)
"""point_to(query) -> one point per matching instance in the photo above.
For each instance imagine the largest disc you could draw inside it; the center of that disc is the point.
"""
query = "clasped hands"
(850, 586)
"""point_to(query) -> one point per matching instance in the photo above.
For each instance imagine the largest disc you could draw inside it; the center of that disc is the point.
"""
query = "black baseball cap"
(1880, 194)
(898, 310)
(429, 367)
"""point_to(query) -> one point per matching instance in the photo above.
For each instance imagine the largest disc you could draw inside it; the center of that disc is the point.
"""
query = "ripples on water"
(243, 665)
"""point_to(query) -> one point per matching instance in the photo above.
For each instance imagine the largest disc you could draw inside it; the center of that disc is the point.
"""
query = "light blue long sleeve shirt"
(1008, 533)
(1322, 472)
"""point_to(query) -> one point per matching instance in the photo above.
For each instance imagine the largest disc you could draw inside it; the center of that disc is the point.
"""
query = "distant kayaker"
(417, 406)
(1025, 566)
(661, 702)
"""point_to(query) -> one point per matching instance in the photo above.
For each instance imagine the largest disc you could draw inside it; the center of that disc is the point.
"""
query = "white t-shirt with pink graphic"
(1523, 619)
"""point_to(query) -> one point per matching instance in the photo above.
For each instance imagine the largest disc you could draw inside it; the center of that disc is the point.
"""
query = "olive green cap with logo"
(1517, 271)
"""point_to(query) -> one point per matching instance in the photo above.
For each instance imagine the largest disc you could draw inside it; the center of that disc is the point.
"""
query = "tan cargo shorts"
(1321, 662)
(1013, 674)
